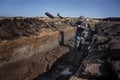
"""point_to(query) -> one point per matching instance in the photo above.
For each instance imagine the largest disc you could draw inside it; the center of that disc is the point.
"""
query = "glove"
(79, 26)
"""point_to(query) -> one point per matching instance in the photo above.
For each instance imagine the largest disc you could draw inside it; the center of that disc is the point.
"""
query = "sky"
(66, 8)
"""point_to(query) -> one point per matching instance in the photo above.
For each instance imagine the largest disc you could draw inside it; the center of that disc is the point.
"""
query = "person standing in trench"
(82, 27)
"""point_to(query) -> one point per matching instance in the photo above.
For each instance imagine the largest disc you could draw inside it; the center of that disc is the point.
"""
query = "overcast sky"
(68, 8)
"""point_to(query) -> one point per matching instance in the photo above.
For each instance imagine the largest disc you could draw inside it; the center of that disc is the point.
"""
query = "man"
(82, 27)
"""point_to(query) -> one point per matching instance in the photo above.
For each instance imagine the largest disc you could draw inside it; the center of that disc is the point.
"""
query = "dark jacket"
(79, 29)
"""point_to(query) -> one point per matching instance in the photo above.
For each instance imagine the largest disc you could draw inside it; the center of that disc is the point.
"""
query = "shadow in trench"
(62, 69)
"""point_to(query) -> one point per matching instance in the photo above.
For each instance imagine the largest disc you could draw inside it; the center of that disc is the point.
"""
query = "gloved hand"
(79, 26)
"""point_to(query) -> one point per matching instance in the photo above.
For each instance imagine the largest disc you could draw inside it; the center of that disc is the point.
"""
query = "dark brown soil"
(14, 28)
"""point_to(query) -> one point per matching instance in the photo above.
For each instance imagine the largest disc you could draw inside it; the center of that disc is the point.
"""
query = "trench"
(99, 63)
(71, 65)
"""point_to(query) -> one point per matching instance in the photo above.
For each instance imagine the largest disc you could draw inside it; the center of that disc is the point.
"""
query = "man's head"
(81, 18)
